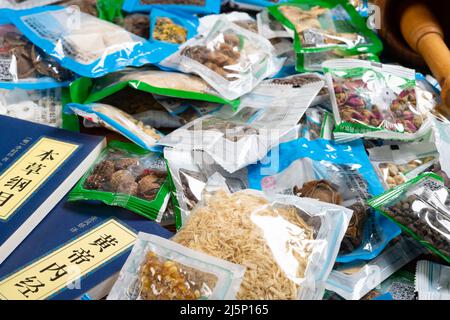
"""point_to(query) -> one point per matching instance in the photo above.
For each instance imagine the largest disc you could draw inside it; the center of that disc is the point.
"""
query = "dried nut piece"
(149, 186)
(322, 190)
(121, 177)
(128, 187)
(124, 163)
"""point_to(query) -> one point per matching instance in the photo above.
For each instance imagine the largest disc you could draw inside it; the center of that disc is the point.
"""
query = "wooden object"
(422, 32)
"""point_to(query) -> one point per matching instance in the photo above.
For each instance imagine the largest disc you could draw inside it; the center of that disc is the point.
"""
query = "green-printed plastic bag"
(421, 207)
(165, 83)
(320, 26)
(127, 176)
(374, 100)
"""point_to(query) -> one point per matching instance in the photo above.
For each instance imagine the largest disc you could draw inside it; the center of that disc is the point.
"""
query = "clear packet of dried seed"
(231, 59)
(374, 100)
(160, 269)
(396, 164)
(270, 28)
(421, 207)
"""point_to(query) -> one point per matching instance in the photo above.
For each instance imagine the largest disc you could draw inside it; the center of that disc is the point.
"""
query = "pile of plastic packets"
(290, 162)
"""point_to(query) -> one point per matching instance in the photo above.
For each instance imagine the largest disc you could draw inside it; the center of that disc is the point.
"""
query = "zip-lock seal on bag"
(160, 269)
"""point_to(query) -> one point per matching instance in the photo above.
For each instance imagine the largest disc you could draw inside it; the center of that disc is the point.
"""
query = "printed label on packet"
(30, 171)
(65, 266)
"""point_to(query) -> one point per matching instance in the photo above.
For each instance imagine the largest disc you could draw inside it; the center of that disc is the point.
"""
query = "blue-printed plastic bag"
(183, 25)
(337, 173)
(192, 6)
(82, 43)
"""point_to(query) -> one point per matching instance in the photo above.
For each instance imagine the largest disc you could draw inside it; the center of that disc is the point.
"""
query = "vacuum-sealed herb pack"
(421, 207)
(127, 176)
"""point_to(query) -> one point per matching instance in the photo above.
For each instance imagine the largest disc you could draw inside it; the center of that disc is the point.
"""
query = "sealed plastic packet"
(432, 281)
(172, 28)
(270, 28)
(396, 164)
(240, 18)
(399, 286)
(117, 120)
(191, 6)
(441, 133)
(235, 139)
(83, 43)
(288, 244)
(421, 207)
(335, 173)
(312, 62)
(353, 281)
(32, 84)
(127, 176)
(164, 83)
(160, 269)
(299, 80)
(189, 173)
(322, 26)
(376, 101)
(229, 58)
(317, 123)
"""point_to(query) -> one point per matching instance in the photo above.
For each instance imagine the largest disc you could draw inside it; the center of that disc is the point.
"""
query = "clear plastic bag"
(421, 206)
(40, 106)
(353, 281)
(288, 244)
(265, 116)
(230, 58)
(190, 172)
(398, 164)
(21, 60)
(159, 269)
(119, 121)
(82, 43)
(375, 101)
(432, 281)
(270, 28)
(127, 176)
(335, 173)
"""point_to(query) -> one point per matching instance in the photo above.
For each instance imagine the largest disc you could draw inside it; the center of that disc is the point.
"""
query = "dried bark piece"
(322, 190)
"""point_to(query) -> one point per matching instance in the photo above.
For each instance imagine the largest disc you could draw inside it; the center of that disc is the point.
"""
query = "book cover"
(38, 166)
(77, 247)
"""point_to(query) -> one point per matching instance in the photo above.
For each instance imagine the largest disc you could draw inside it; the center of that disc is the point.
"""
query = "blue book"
(77, 251)
(38, 166)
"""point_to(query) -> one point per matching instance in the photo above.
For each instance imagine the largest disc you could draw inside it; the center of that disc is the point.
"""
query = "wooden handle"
(423, 33)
